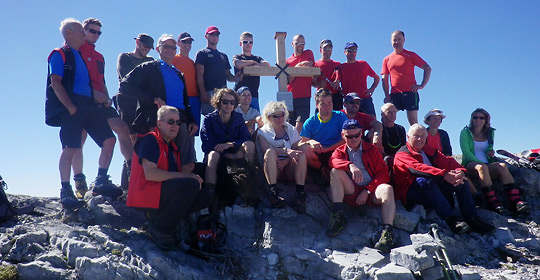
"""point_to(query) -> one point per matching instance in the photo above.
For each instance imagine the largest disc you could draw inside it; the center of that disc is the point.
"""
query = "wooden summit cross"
(281, 71)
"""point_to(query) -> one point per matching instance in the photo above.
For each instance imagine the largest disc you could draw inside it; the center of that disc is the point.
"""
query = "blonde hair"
(273, 107)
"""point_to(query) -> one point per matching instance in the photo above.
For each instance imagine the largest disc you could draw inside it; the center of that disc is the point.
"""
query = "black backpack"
(6, 211)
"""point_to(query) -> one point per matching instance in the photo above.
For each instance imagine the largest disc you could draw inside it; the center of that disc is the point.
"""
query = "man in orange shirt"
(186, 65)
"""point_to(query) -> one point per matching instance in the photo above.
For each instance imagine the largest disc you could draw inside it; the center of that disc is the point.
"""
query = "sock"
(508, 187)
(388, 227)
(337, 207)
(102, 171)
(273, 186)
(79, 176)
(128, 162)
(66, 185)
(299, 188)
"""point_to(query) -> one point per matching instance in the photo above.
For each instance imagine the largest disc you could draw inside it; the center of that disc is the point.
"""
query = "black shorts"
(324, 159)
(127, 107)
(88, 117)
(366, 105)
(109, 113)
(301, 109)
(407, 100)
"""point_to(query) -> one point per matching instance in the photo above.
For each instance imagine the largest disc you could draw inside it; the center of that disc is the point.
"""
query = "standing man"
(96, 68)
(353, 74)
(399, 67)
(159, 83)
(71, 105)
(183, 63)
(126, 62)
(328, 68)
(213, 69)
(300, 86)
(352, 110)
(248, 59)
(359, 176)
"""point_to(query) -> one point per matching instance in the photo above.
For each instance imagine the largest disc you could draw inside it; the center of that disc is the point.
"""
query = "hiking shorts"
(407, 100)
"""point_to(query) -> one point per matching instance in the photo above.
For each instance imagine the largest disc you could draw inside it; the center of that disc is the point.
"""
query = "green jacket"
(467, 145)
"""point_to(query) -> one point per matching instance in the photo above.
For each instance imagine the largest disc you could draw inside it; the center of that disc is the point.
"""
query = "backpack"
(6, 211)
(53, 107)
(210, 235)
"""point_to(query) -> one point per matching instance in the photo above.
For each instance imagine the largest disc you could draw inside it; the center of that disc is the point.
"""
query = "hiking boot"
(163, 240)
(300, 202)
(517, 205)
(494, 204)
(104, 186)
(386, 242)
(276, 200)
(337, 223)
(457, 226)
(80, 185)
(478, 199)
(68, 199)
(480, 226)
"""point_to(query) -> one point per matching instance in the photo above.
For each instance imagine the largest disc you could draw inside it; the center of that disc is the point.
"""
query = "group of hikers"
(158, 115)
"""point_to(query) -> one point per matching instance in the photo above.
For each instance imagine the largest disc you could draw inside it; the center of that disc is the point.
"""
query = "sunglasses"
(277, 116)
(353, 136)
(351, 50)
(227, 102)
(167, 47)
(327, 50)
(247, 42)
(478, 118)
(187, 42)
(299, 44)
(93, 31)
(171, 122)
(354, 102)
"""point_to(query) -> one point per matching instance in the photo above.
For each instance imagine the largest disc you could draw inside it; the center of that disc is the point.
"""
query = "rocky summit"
(106, 240)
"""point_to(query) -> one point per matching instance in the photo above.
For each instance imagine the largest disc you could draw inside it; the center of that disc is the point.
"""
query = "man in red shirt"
(300, 86)
(328, 68)
(399, 67)
(352, 110)
(353, 75)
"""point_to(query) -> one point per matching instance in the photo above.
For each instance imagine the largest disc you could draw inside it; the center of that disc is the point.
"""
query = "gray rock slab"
(407, 257)
(406, 220)
(393, 272)
(40, 270)
(433, 273)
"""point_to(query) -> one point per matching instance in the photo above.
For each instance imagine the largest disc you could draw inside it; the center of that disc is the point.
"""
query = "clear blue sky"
(483, 54)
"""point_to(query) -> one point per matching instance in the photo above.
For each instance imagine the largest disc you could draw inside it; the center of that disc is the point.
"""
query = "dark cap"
(351, 124)
(326, 42)
(146, 40)
(212, 29)
(184, 36)
(351, 45)
(352, 96)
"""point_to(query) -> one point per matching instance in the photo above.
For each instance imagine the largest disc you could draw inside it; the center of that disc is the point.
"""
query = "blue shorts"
(366, 105)
(195, 104)
(407, 100)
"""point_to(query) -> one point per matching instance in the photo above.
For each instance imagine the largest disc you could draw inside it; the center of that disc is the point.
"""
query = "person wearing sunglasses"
(224, 134)
(359, 176)
(279, 141)
(476, 141)
(159, 83)
(353, 110)
(246, 58)
(425, 176)
(158, 185)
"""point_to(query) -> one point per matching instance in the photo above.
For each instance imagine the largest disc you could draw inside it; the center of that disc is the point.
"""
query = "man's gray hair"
(67, 24)
(414, 128)
(164, 110)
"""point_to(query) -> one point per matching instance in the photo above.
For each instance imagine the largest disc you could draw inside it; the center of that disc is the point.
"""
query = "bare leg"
(124, 140)
(106, 153)
(300, 170)
(480, 170)
(211, 168)
(270, 166)
(384, 196)
(249, 150)
(311, 156)
(500, 170)
(299, 126)
(77, 162)
(66, 158)
(412, 116)
(340, 185)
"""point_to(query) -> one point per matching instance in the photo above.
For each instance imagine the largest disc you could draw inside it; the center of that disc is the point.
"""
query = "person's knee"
(337, 174)
(119, 127)
(481, 168)
(213, 158)
(270, 155)
(109, 143)
(248, 145)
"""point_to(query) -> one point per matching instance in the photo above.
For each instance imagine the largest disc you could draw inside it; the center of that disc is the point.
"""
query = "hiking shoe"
(457, 226)
(337, 223)
(276, 200)
(494, 204)
(386, 242)
(80, 185)
(480, 226)
(300, 202)
(517, 205)
(68, 199)
(163, 240)
(104, 186)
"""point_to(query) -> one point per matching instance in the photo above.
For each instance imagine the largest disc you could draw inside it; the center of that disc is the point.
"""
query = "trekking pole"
(449, 272)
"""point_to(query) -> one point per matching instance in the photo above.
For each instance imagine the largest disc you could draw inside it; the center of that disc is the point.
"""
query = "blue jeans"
(439, 196)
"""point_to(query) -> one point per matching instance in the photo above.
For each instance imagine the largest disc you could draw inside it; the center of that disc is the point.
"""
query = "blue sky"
(483, 54)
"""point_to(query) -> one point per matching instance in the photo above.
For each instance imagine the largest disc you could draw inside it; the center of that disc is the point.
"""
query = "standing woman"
(437, 138)
(476, 142)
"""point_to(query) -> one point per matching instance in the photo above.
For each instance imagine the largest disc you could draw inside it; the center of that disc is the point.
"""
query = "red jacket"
(372, 159)
(142, 192)
(408, 165)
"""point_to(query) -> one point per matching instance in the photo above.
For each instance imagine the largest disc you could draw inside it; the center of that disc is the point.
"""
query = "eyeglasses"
(354, 102)
(353, 136)
(187, 42)
(227, 102)
(478, 118)
(247, 42)
(168, 47)
(172, 121)
(299, 44)
(279, 116)
(351, 50)
(93, 31)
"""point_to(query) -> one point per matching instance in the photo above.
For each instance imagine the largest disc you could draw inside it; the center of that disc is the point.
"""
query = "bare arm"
(61, 93)
(425, 80)
(376, 80)
(333, 147)
(385, 87)
(230, 77)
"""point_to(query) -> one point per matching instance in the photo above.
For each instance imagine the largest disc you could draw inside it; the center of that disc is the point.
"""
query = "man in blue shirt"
(70, 104)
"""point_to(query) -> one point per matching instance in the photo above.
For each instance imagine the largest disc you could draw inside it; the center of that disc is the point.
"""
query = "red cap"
(212, 29)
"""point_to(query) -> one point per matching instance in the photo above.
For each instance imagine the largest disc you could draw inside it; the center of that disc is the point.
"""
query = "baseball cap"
(326, 42)
(165, 37)
(212, 29)
(146, 40)
(352, 96)
(351, 45)
(350, 124)
(434, 112)
(185, 36)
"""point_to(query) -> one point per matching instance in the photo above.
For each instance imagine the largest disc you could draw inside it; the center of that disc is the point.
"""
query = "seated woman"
(224, 134)
(437, 138)
(476, 142)
(250, 114)
(279, 140)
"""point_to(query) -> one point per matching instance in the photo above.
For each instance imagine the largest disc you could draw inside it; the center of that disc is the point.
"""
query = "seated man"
(353, 111)
(425, 176)
(157, 184)
(359, 176)
(321, 133)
